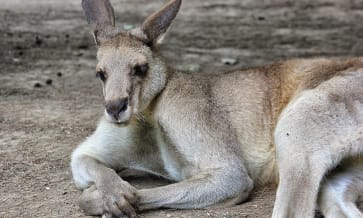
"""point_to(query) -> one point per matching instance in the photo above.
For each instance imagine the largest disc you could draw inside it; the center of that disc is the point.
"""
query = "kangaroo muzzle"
(118, 110)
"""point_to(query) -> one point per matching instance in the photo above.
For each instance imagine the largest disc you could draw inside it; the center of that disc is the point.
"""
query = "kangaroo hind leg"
(312, 137)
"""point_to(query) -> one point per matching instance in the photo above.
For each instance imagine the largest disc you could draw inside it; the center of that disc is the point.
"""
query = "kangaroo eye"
(102, 75)
(141, 70)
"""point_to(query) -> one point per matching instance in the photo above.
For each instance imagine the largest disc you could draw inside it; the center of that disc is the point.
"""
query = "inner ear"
(158, 23)
(100, 15)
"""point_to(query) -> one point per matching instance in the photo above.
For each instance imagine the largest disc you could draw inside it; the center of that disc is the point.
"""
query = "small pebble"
(229, 61)
(38, 41)
(191, 67)
(18, 47)
(47, 188)
(128, 26)
(83, 46)
(49, 82)
(38, 85)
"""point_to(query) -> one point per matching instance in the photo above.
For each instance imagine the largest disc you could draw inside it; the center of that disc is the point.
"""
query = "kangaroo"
(297, 124)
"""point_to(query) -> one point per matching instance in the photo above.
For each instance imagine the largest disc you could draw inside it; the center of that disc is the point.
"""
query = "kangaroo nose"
(114, 108)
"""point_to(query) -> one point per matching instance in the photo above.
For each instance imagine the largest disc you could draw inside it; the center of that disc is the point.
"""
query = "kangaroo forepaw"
(109, 202)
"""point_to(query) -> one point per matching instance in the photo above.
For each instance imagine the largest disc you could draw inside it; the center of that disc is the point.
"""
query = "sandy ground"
(50, 100)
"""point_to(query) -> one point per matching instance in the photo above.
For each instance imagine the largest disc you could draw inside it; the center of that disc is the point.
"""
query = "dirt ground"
(50, 100)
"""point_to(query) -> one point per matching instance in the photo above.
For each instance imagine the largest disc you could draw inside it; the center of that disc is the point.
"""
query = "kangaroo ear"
(156, 25)
(100, 16)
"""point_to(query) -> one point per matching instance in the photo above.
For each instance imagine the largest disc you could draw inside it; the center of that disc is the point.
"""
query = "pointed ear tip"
(174, 3)
(178, 2)
(84, 3)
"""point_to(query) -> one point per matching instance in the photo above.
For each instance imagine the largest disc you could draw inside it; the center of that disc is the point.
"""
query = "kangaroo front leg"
(199, 191)
(115, 196)
(95, 161)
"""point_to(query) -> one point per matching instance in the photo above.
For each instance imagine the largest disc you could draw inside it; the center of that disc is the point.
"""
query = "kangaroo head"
(129, 66)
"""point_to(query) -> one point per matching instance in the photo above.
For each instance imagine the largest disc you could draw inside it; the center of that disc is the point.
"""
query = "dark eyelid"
(141, 70)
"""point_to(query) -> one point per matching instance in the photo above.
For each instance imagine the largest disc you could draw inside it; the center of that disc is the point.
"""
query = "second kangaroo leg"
(340, 192)
(312, 137)
(199, 191)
